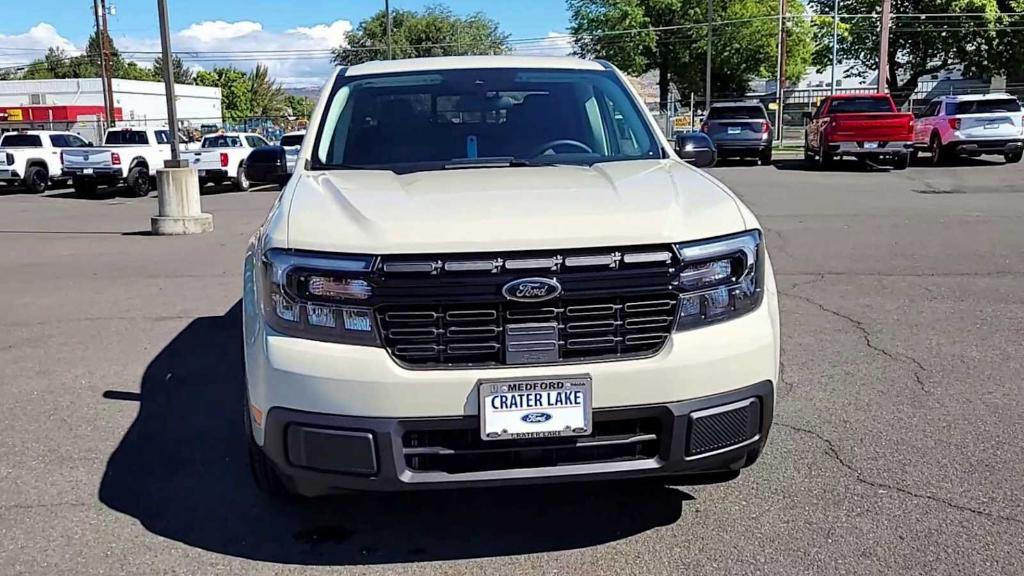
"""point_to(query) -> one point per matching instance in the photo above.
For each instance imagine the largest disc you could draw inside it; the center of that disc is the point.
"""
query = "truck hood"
(490, 209)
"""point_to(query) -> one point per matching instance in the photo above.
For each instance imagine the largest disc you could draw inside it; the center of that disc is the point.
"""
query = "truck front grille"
(586, 329)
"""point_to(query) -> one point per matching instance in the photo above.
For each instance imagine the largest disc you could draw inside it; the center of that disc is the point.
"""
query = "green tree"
(300, 106)
(182, 74)
(670, 36)
(981, 44)
(435, 31)
(235, 96)
(266, 96)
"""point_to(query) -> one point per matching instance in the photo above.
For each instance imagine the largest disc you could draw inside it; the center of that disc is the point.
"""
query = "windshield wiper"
(499, 162)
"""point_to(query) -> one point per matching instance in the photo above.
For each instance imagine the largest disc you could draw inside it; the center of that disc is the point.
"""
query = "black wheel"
(84, 187)
(938, 151)
(765, 157)
(1014, 157)
(138, 181)
(901, 162)
(36, 179)
(241, 182)
(263, 472)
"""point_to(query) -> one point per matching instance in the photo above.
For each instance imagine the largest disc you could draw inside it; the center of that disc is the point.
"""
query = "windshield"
(292, 140)
(21, 141)
(222, 142)
(860, 105)
(983, 106)
(457, 118)
(737, 113)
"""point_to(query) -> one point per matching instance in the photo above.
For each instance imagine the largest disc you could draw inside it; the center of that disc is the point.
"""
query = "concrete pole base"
(179, 211)
(178, 225)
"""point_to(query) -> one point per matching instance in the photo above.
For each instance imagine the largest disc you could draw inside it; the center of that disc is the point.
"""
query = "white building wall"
(141, 102)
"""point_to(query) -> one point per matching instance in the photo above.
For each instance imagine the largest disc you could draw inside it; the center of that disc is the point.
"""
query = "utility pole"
(103, 63)
(883, 48)
(707, 71)
(387, 17)
(781, 79)
(108, 84)
(172, 113)
(835, 44)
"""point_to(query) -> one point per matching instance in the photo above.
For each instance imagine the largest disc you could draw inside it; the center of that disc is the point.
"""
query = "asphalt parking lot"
(898, 445)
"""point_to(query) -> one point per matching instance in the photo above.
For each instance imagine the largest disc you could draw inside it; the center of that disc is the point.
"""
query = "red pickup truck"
(864, 126)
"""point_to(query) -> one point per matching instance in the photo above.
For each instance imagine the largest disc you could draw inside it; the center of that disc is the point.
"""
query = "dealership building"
(76, 105)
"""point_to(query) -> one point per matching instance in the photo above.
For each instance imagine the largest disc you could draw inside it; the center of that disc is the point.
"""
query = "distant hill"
(307, 91)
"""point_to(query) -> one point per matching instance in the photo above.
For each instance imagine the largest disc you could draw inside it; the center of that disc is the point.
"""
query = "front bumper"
(859, 149)
(214, 174)
(995, 146)
(319, 454)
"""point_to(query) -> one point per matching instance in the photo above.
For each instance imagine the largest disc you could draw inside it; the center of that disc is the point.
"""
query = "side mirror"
(696, 148)
(267, 165)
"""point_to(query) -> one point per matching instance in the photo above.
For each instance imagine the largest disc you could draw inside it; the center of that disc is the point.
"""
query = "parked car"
(34, 158)
(292, 142)
(971, 125)
(128, 155)
(495, 270)
(864, 126)
(740, 130)
(222, 157)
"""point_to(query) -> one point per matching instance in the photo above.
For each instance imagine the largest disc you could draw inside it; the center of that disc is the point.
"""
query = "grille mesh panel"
(723, 429)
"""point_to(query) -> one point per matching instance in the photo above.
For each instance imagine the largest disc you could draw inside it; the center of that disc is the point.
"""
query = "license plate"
(535, 407)
(871, 144)
(734, 130)
(86, 170)
(991, 126)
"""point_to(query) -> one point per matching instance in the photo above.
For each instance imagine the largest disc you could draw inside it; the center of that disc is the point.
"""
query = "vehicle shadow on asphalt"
(181, 470)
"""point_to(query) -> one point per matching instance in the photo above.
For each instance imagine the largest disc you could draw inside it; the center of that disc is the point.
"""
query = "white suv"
(971, 125)
(494, 270)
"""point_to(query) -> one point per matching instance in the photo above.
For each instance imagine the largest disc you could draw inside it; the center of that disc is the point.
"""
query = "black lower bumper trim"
(987, 146)
(376, 455)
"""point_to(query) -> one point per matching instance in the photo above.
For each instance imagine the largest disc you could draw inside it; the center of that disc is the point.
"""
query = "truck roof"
(470, 62)
(972, 97)
(38, 132)
(864, 95)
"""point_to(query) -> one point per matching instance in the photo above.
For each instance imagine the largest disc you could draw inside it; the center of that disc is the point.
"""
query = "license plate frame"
(871, 145)
(87, 171)
(734, 129)
(557, 421)
(991, 126)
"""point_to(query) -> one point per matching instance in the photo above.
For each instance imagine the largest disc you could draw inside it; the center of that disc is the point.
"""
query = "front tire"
(264, 475)
(1013, 157)
(138, 181)
(901, 162)
(36, 179)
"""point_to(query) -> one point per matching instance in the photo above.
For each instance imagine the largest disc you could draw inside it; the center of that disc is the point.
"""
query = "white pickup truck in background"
(131, 155)
(34, 158)
(222, 157)
(292, 143)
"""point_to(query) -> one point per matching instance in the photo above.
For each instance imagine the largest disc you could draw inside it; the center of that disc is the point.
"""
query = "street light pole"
(172, 113)
(707, 72)
(835, 43)
(780, 80)
(883, 48)
(107, 106)
(387, 18)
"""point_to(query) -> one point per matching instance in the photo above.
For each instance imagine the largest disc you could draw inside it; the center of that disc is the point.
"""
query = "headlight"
(719, 279)
(317, 298)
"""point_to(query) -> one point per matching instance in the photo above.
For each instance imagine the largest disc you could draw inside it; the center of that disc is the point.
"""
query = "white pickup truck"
(222, 157)
(130, 155)
(34, 158)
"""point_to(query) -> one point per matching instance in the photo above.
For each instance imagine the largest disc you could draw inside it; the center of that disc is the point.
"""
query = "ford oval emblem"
(532, 289)
(536, 417)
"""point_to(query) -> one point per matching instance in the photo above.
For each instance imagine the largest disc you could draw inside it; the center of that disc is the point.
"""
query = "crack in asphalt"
(918, 369)
(833, 451)
(43, 505)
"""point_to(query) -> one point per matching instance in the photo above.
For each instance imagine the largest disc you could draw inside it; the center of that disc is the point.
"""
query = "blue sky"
(219, 25)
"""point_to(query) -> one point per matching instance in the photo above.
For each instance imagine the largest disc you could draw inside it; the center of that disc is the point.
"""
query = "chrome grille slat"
(410, 316)
(411, 333)
(580, 343)
(599, 326)
(532, 314)
(591, 310)
(473, 348)
(649, 306)
(636, 339)
(472, 331)
(652, 322)
(456, 315)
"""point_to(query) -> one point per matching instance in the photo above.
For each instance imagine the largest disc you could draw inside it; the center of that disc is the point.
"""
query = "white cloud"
(23, 48)
(554, 44)
(296, 57)
(213, 30)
